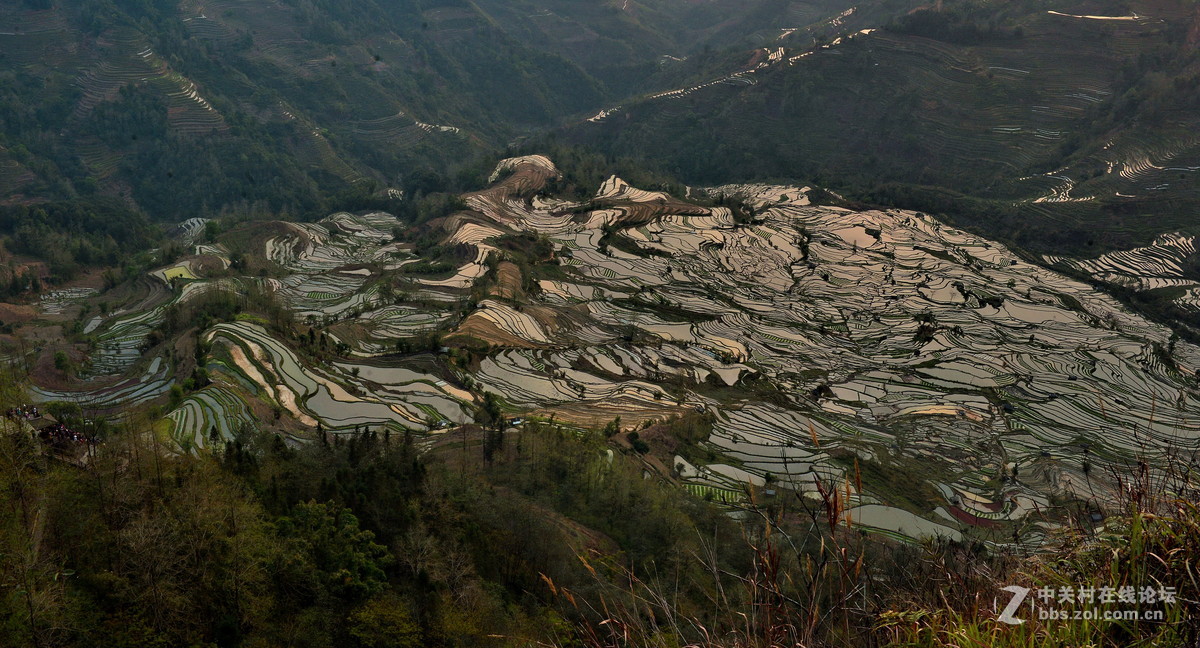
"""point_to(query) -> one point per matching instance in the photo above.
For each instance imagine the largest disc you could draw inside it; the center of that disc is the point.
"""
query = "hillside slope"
(1063, 127)
(187, 107)
(973, 394)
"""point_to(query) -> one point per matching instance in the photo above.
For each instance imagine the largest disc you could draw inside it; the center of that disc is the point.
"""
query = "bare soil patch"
(508, 281)
(596, 414)
(16, 313)
(475, 328)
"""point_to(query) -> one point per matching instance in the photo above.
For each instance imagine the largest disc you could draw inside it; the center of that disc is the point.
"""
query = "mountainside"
(971, 392)
(1064, 128)
(632, 323)
(185, 108)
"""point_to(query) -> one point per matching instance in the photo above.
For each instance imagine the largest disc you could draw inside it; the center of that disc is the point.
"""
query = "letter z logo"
(1019, 594)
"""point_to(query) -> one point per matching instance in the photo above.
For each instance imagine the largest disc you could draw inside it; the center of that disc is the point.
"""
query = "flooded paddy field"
(968, 387)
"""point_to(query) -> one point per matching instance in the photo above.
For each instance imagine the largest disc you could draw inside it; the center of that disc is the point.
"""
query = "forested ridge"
(183, 110)
(1059, 128)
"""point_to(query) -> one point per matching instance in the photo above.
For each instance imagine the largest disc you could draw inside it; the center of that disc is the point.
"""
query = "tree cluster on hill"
(965, 23)
(71, 235)
(262, 131)
(354, 540)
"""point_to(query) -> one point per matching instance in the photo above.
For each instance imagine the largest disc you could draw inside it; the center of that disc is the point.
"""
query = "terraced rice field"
(331, 265)
(1162, 264)
(13, 176)
(34, 37)
(202, 26)
(886, 334)
(940, 361)
(339, 397)
(54, 302)
(215, 407)
(109, 397)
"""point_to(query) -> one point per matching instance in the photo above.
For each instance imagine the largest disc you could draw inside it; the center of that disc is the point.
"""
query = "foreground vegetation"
(539, 537)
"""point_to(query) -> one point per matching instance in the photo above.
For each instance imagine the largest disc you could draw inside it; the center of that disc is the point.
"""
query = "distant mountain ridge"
(186, 107)
(1061, 127)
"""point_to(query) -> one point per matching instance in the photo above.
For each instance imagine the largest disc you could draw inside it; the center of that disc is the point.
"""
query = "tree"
(384, 622)
(326, 541)
(212, 229)
(491, 418)
(31, 590)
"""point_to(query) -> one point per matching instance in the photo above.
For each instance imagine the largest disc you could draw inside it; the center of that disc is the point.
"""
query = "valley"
(972, 393)
(631, 323)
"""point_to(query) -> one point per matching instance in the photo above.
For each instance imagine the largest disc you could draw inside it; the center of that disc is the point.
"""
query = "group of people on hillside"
(47, 429)
(23, 412)
(59, 434)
